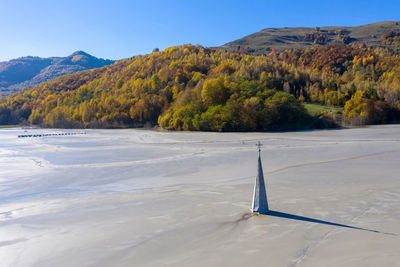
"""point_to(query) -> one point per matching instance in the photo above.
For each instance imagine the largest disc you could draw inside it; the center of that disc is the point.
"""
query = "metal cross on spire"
(259, 145)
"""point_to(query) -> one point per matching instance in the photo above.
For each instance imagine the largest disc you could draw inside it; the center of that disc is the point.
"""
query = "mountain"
(195, 88)
(30, 71)
(280, 39)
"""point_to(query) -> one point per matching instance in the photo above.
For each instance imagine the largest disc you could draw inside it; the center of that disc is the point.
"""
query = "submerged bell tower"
(260, 202)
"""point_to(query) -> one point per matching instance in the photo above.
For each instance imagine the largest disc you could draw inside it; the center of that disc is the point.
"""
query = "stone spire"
(260, 203)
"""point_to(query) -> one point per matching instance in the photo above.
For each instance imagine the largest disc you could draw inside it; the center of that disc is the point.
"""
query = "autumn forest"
(203, 89)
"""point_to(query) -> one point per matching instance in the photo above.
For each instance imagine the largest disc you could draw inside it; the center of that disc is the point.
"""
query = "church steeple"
(260, 203)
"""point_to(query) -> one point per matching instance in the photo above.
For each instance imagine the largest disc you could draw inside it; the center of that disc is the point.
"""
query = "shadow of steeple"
(274, 213)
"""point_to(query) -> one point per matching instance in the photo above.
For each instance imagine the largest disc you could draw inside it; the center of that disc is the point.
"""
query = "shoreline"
(159, 129)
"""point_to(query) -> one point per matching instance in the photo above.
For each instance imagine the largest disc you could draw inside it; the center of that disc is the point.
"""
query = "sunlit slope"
(305, 37)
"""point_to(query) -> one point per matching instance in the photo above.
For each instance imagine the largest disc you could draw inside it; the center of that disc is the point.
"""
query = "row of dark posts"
(49, 134)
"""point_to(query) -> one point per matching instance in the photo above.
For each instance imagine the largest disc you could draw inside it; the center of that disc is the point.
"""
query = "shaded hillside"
(195, 88)
(30, 71)
(280, 39)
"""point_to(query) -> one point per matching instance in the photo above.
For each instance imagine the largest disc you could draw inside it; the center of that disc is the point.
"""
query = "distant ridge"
(305, 37)
(23, 72)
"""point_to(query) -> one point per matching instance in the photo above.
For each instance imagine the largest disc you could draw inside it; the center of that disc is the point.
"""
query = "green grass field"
(316, 109)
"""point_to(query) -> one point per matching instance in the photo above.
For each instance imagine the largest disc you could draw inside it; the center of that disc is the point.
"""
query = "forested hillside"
(195, 88)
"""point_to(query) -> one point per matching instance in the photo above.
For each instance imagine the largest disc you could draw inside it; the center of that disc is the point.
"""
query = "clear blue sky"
(118, 29)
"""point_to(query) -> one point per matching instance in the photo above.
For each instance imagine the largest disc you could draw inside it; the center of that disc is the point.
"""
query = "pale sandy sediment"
(147, 198)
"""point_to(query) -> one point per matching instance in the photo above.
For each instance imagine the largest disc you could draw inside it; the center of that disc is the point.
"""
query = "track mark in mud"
(12, 242)
(207, 233)
(314, 163)
(316, 243)
(330, 161)
(133, 162)
(304, 253)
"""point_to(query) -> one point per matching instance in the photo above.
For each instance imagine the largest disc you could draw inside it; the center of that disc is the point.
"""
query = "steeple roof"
(260, 203)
